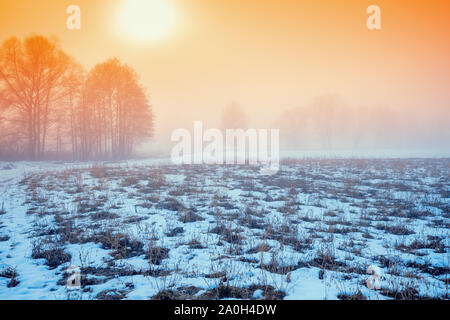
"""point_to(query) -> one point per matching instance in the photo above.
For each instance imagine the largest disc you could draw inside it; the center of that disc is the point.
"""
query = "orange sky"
(269, 55)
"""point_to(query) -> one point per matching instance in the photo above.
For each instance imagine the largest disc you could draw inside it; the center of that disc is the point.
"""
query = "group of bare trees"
(51, 108)
(328, 123)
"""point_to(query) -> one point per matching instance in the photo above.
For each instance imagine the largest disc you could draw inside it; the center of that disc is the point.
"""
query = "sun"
(146, 20)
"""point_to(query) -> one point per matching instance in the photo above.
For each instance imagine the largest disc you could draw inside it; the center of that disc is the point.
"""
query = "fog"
(331, 127)
(331, 86)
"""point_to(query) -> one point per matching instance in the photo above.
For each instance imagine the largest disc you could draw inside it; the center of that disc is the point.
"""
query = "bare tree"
(31, 77)
(234, 117)
(48, 104)
(117, 104)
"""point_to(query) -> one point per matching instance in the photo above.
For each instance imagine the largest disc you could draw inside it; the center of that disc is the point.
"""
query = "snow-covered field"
(145, 229)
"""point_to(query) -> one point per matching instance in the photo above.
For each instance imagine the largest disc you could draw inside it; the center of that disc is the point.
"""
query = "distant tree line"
(328, 123)
(50, 107)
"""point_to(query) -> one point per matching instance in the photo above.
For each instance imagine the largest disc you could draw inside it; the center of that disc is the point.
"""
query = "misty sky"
(272, 57)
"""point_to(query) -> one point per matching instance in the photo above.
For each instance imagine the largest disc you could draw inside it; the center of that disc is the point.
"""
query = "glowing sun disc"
(146, 20)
